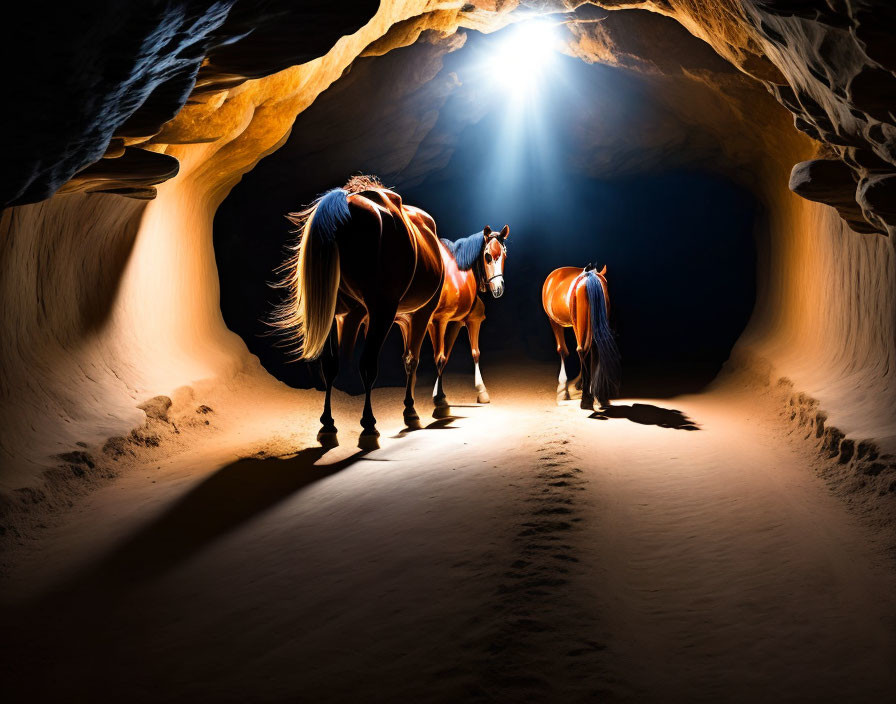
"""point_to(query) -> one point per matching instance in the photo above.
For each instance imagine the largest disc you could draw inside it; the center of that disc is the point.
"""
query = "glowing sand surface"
(522, 550)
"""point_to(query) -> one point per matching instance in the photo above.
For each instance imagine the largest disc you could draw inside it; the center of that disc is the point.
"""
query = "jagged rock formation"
(102, 83)
(108, 301)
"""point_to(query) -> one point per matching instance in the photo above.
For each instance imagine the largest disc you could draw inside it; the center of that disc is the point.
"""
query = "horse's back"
(399, 261)
(458, 295)
(555, 294)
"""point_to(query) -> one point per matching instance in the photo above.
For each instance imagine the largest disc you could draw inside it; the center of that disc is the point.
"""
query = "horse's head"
(494, 254)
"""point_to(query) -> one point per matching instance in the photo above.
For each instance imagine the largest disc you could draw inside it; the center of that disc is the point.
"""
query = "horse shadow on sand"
(215, 507)
(437, 424)
(80, 611)
(647, 414)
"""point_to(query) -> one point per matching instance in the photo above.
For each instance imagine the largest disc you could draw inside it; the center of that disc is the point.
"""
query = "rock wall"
(826, 318)
(108, 300)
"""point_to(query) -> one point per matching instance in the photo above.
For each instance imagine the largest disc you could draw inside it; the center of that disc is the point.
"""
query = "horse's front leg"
(474, 322)
(329, 366)
(377, 329)
(562, 382)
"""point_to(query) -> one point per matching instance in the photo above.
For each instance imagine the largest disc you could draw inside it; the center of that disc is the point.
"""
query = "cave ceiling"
(119, 98)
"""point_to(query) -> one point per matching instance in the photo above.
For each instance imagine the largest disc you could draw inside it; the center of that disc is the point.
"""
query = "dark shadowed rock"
(877, 194)
(832, 182)
(110, 69)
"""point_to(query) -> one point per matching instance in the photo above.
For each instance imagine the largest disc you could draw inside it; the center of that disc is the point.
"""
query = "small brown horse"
(579, 298)
(474, 263)
(362, 255)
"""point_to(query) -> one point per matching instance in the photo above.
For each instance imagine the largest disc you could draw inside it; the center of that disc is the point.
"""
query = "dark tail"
(606, 368)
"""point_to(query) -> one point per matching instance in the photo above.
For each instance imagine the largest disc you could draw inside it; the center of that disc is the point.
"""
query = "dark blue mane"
(466, 250)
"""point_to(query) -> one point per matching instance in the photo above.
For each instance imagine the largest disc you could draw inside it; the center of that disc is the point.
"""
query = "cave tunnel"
(683, 289)
(175, 527)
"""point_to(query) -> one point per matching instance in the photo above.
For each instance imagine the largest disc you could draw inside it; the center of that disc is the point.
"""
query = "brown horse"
(362, 255)
(580, 299)
(474, 263)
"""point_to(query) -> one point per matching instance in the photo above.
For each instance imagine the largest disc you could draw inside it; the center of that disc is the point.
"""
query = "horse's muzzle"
(497, 286)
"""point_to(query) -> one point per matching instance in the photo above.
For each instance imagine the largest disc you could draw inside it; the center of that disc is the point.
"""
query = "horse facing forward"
(474, 263)
(363, 254)
(579, 298)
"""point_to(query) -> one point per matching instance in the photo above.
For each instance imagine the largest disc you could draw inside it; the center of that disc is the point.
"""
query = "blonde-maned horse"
(580, 299)
(363, 254)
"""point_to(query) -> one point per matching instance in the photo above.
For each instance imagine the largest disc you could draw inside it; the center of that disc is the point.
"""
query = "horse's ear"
(603, 272)
(486, 230)
(504, 232)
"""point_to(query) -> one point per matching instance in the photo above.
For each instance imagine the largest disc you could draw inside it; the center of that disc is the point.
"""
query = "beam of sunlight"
(520, 73)
(524, 58)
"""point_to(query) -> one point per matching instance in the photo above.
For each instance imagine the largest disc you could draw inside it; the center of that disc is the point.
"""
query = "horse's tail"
(313, 279)
(605, 361)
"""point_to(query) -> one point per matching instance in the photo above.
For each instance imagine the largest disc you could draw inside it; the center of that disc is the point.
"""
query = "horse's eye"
(488, 258)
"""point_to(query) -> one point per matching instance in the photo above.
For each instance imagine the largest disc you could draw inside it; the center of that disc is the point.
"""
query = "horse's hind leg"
(329, 366)
(414, 332)
(348, 335)
(596, 371)
(377, 328)
(442, 407)
(585, 359)
(562, 383)
(581, 325)
(442, 335)
(438, 332)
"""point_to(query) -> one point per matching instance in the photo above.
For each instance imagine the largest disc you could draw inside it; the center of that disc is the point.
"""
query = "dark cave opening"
(680, 294)
(677, 237)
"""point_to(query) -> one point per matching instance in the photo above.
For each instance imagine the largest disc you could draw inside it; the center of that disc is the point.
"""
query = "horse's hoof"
(327, 438)
(412, 421)
(587, 403)
(369, 440)
(441, 412)
(483, 397)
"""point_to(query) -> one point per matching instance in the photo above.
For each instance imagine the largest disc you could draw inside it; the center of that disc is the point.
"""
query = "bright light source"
(523, 58)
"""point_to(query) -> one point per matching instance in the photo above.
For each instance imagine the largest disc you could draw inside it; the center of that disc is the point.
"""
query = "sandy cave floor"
(519, 551)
